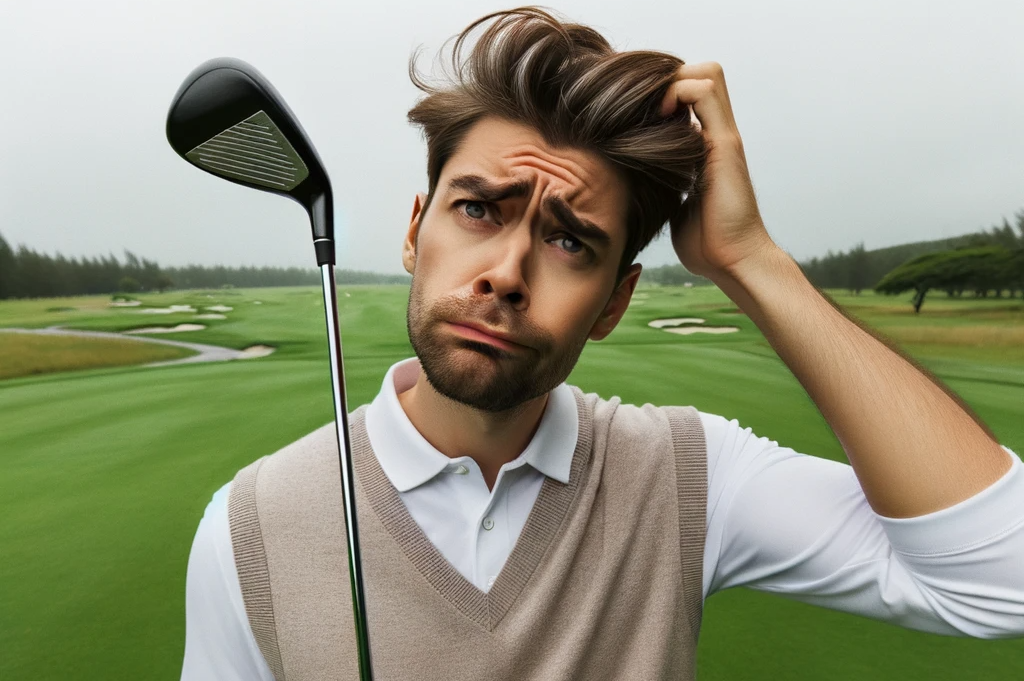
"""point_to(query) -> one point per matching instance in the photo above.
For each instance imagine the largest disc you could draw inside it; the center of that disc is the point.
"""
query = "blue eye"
(475, 210)
(569, 244)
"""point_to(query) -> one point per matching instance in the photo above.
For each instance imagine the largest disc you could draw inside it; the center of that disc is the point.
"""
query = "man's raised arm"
(914, 447)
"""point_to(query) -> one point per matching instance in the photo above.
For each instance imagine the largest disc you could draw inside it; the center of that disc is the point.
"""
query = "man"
(515, 528)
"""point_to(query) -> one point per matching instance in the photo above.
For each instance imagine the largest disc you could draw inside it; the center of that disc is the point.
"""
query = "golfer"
(516, 528)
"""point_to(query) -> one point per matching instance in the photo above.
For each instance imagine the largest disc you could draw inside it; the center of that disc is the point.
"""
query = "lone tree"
(129, 285)
(980, 269)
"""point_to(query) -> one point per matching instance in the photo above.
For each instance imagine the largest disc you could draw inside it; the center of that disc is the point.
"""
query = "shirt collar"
(408, 460)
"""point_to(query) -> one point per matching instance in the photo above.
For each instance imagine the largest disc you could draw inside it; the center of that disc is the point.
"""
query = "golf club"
(228, 120)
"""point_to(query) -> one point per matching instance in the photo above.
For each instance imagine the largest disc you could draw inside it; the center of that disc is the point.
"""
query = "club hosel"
(321, 215)
(324, 249)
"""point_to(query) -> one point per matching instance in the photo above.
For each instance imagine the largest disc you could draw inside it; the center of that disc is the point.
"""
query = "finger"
(708, 70)
(709, 104)
(671, 102)
(711, 70)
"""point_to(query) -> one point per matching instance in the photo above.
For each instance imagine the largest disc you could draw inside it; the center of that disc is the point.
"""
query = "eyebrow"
(489, 191)
(486, 190)
(575, 224)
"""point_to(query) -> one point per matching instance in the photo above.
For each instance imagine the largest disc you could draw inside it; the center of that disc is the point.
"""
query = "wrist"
(766, 279)
(764, 262)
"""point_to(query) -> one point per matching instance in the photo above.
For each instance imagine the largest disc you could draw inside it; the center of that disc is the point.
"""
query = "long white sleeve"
(800, 526)
(219, 644)
(778, 521)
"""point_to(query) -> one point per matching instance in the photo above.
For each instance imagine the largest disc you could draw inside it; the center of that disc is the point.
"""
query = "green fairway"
(104, 473)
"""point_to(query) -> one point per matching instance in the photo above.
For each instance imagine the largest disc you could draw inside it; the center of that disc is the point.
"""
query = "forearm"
(914, 449)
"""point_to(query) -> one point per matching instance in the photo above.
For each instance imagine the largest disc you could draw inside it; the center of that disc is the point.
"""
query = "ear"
(617, 304)
(409, 247)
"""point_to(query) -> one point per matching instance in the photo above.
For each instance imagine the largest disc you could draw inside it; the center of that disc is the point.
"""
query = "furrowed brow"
(575, 224)
(486, 190)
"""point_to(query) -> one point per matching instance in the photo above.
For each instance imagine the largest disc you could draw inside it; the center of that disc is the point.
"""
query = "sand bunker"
(125, 303)
(687, 330)
(675, 321)
(219, 308)
(255, 351)
(168, 329)
(684, 326)
(210, 316)
(167, 310)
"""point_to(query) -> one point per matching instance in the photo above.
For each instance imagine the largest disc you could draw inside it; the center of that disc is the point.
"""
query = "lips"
(482, 334)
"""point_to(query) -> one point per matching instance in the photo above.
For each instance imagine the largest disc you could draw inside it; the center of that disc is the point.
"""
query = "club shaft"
(348, 488)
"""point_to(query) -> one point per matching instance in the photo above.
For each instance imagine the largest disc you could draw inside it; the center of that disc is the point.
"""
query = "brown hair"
(566, 81)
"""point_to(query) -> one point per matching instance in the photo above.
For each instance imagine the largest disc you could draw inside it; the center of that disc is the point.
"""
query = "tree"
(1005, 236)
(672, 275)
(129, 285)
(918, 274)
(981, 269)
(857, 273)
(8, 263)
(163, 282)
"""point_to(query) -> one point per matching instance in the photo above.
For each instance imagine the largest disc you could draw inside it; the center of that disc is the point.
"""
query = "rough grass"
(23, 354)
(977, 330)
(104, 474)
(975, 336)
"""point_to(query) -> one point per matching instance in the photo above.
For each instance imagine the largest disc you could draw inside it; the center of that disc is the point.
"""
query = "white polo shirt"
(777, 521)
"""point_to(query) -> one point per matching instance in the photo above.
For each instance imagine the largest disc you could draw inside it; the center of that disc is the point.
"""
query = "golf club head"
(228, 120)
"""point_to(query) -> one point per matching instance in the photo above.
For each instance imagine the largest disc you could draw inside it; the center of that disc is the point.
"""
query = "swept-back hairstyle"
(566, 81)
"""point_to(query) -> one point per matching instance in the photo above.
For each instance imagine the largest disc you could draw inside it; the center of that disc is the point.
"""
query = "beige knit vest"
(604, 583)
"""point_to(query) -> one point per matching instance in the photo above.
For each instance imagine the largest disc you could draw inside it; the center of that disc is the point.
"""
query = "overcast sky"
(882, 121)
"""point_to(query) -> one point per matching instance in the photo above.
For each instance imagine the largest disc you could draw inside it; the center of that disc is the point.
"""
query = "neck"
(492, 439)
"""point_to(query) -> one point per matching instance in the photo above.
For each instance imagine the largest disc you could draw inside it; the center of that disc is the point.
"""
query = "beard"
(477, 374)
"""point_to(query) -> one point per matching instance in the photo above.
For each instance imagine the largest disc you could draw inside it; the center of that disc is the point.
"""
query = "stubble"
(477, 374)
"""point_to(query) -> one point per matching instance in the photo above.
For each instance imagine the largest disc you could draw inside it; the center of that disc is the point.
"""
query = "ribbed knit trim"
(691, 483)
(251, 561)
(486, 609)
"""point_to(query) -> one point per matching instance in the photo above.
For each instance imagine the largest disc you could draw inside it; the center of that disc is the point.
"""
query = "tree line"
(198, 276)
(859, 269)
(988, 261)
(672, 275)
(26, 273)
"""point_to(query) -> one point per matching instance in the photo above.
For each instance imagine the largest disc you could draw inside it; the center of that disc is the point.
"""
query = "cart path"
(206, 353)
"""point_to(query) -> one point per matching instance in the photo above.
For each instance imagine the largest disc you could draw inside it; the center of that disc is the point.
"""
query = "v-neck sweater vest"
(604, 582)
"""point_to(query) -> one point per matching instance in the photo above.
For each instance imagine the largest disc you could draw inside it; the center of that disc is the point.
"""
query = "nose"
(506, 276)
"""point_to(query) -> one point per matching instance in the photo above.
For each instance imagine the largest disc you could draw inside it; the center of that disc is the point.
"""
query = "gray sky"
(880, 121)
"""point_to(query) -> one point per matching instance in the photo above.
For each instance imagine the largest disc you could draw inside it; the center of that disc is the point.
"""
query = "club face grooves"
(255, 151)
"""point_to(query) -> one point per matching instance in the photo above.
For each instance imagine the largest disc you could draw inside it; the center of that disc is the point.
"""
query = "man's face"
(514, 265)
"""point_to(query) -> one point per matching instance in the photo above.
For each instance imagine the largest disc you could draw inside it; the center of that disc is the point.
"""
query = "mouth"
(481, 334)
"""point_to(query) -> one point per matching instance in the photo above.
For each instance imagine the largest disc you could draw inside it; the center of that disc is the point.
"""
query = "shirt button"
(488, 524)
(490, 582)
(461, 470)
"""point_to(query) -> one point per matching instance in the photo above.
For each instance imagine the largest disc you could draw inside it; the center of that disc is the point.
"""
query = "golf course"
(106, 463)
